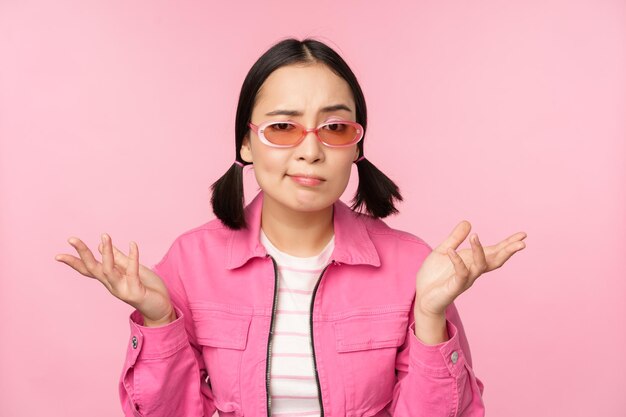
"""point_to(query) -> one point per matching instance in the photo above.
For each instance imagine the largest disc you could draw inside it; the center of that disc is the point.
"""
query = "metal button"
(455, 356)
(134, 342)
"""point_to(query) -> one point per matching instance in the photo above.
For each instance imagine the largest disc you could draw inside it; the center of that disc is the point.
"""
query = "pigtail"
(227, 199)
(375, 191)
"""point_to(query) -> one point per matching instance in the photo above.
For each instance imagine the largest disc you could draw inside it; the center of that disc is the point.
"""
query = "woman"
(298, 305)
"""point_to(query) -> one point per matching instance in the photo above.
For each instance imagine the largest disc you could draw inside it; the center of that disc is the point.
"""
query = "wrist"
(431, 329)
(161, 322)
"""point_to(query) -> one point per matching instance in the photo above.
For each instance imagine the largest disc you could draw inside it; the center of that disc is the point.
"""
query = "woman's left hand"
(445, 273)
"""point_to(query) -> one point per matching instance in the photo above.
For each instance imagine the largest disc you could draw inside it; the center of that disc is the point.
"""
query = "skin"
(446, 274)
(124, 277)
(298, 218)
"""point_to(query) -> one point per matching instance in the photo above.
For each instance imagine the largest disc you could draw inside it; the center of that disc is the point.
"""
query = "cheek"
(269, 164)
(273, 162)
(343, 168)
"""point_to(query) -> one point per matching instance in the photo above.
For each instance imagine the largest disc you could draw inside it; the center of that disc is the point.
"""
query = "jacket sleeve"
(436, 380)
(164, 373)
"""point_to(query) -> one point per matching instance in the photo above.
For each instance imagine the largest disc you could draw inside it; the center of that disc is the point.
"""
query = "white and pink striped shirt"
(293, 388)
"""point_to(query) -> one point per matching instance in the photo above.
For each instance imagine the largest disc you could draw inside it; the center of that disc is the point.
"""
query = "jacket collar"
(352, 241)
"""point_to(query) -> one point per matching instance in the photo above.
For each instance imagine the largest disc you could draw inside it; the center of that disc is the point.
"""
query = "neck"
(297, 233)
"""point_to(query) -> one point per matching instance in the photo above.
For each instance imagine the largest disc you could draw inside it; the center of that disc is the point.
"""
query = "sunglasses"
(286, 134)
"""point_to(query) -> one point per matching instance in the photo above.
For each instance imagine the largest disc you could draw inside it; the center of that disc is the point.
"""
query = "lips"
(307, 180)
(309, 176)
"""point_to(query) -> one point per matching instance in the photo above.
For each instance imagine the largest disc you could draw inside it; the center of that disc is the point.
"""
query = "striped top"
(293, 388)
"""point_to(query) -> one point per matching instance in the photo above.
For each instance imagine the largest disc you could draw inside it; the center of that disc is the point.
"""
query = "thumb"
(458, 235)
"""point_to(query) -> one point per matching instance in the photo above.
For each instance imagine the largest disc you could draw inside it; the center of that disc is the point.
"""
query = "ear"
(245, 151)
(357, 154)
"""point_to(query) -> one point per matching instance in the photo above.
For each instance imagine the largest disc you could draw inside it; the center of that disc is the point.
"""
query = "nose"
(310, 149)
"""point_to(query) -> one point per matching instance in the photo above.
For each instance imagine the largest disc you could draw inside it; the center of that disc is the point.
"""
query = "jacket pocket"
(223, 335)
(367, 346)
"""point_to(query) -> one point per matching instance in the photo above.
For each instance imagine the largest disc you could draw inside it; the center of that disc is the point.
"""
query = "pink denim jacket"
(368, 361)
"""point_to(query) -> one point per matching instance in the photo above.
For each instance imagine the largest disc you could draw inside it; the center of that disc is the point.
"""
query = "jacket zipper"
(269, 341)
(317, 378)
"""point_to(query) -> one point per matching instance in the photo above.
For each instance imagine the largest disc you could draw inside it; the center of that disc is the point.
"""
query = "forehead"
(303, 87)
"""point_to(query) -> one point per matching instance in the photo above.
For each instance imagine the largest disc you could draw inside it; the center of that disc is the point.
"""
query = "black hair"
(375, 191)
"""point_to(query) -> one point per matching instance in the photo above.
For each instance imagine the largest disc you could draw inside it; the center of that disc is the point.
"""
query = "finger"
(90, 263)
(458, 235)
(75, 263)
(480, 261)
(461, 275)
(121, 259)
(516, 237)
(132, 270)
(508, 251)
(108, 267)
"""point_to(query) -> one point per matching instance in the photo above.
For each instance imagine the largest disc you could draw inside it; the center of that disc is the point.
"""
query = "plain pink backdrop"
(117, 116)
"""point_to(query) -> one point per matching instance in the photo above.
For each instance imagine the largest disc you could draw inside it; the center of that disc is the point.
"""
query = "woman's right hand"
(125, 278)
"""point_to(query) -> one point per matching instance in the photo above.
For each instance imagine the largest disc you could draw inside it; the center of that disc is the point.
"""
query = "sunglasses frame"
(260, 129)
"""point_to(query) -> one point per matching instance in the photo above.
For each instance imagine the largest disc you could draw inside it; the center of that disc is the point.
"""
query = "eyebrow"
(327, 109)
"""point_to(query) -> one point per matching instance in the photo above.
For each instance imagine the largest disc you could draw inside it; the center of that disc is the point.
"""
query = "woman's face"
(305, 89)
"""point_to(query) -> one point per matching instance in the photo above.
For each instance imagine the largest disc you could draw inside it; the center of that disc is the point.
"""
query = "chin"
(304, 200)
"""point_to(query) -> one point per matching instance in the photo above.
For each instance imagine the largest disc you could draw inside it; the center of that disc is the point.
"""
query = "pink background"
(117, 116)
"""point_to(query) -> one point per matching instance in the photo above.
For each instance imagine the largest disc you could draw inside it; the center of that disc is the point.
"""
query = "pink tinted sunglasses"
(286, 134)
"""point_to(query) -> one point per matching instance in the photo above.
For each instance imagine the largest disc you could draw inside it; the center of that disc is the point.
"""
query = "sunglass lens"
(338, 133)
(282, 133)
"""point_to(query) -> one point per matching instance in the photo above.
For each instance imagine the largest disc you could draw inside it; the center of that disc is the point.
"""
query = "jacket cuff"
(155, 342)
(443, 359)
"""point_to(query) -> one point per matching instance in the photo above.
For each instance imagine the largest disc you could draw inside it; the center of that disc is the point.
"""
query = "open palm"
(124, 277)
(445, 273)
